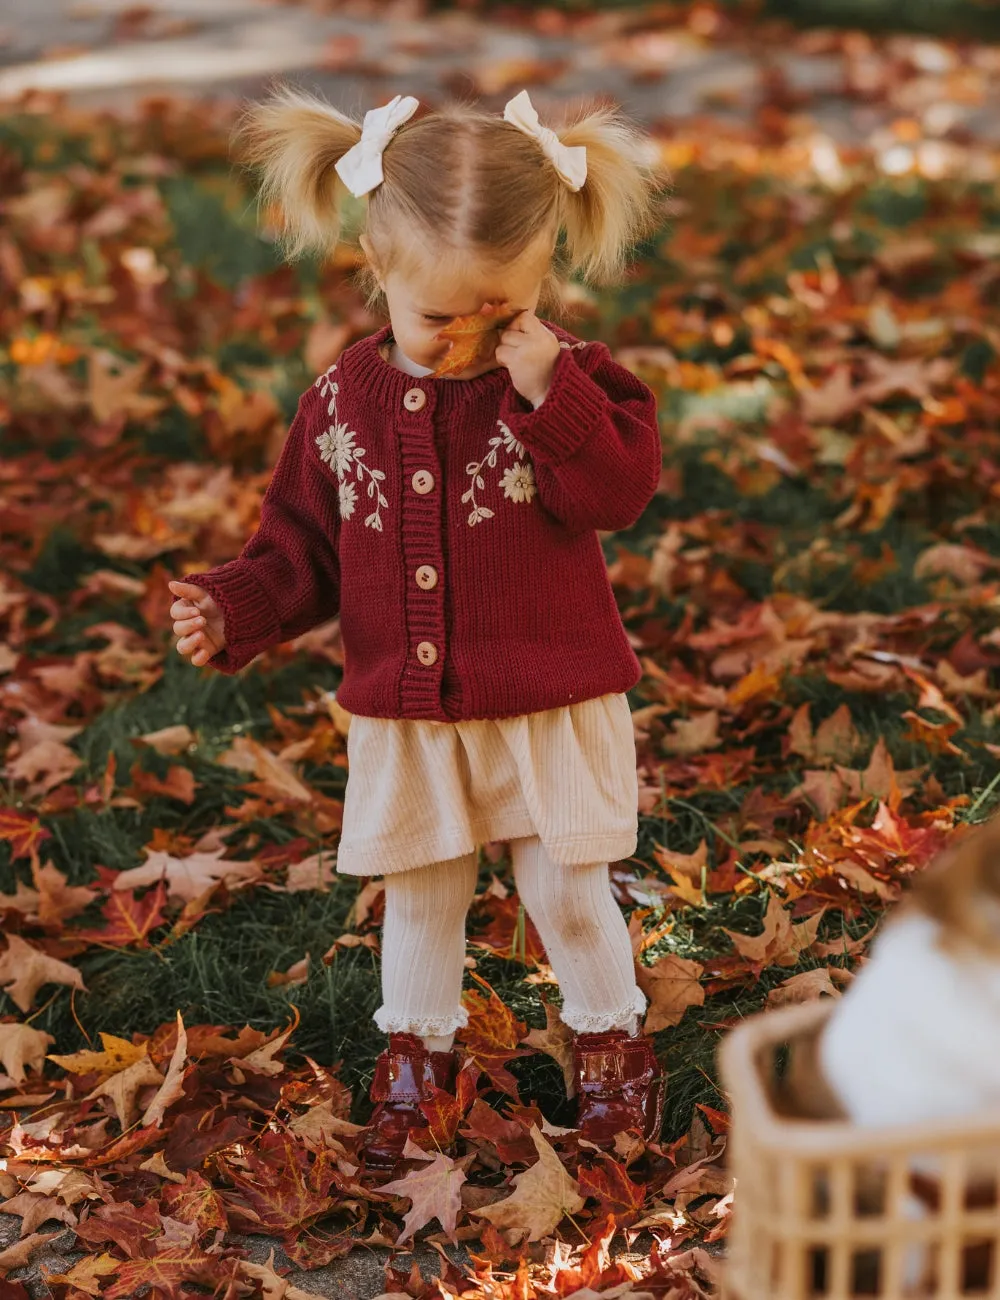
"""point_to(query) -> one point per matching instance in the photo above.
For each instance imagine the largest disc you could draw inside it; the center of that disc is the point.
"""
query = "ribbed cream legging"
(574, 911)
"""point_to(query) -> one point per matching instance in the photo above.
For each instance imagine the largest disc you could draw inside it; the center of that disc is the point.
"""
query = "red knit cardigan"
(453, 528)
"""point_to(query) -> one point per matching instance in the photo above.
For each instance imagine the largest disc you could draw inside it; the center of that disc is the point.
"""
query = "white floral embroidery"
(338, 449)
(517, 481)
(337, 446)
(348, 499)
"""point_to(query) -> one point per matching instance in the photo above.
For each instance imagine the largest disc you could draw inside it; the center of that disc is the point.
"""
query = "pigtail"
(295, 140)
(617, 206)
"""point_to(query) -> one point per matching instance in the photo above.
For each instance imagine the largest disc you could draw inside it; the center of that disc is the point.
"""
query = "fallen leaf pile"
(813, 595)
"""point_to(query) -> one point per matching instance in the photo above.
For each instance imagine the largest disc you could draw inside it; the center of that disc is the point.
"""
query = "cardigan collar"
(366, 363)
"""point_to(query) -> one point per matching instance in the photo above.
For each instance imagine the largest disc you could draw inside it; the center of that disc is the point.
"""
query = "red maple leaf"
(194, 1201)
(510, 1137)
(609, 1183)
(129, 919)
(444, 1111)
(287, 1195)
(170, 1268)
(23, 832)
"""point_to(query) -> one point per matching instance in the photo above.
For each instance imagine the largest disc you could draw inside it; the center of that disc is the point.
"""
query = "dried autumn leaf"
(195, 1201)
(124, 1086)
(172, 1088)
(435, 1192)
(58, 901)
(87, 1275)
(129, 919)
(22, 1048)
(35, 1210)
(22, 831)
(780, 943)
(168, 1270)
(672, 985)
(118, 1054)
(608, 1183)
(809, 985)
(472, 338)
(835, 740)
(543, 1195)
(24, 969)
(290, 1197)
(492, 1035)
(444, 1111)
(20, 1254)
(187, 878)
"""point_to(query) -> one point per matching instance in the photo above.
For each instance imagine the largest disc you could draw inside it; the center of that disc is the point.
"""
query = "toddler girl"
(452, 522)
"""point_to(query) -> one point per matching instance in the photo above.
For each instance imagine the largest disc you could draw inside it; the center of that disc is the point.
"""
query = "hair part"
(458, 179)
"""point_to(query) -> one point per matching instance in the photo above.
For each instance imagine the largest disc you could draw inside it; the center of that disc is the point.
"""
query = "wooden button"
(415, 399)
(427, 653)
(423, 481)
(426, 576)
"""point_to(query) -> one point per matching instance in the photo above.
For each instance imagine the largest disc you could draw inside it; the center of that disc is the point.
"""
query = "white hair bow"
(361, 167)
(570, 161)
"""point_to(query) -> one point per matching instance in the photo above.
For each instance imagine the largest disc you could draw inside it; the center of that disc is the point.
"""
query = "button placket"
(423, 555)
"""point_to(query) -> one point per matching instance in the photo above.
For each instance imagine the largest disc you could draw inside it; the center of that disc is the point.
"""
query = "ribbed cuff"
(574, 408)
(251, 621)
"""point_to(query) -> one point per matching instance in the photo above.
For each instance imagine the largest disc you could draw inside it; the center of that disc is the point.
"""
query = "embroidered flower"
(518, 482)
(337, 447)
(348, 498)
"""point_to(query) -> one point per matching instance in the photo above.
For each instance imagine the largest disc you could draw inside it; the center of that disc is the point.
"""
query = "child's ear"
(369, 252)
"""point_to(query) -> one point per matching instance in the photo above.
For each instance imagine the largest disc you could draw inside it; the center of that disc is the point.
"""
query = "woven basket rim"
(817, 1139)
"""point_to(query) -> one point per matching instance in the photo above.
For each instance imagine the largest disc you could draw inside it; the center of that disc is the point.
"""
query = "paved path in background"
(222, 48)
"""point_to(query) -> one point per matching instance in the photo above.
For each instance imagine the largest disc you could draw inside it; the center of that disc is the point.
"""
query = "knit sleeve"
(286, 580)
(594, 441)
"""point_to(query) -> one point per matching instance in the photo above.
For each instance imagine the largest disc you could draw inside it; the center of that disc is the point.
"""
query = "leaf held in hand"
(473, 339)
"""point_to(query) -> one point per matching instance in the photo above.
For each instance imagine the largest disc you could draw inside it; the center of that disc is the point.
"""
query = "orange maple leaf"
(473, 339)
(492, 1035)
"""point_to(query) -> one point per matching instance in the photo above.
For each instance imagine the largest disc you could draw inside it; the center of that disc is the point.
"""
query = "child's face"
(422, 303)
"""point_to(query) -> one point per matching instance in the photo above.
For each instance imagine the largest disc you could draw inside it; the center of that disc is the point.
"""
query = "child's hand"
(199, 624)
(529, 351)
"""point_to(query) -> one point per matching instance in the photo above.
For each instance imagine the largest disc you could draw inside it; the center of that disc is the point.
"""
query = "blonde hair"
(460, 178)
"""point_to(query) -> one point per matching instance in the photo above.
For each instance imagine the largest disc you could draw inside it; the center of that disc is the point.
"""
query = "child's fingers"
(184, 625)
(187, 591)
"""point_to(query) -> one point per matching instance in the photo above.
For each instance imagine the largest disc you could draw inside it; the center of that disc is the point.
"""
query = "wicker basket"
(827, 1209)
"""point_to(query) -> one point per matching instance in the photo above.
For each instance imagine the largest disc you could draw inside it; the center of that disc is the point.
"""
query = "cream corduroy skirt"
(420, 792)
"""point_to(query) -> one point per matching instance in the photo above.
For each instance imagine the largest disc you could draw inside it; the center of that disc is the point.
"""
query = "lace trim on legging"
(587, 1022)
(428, 1027)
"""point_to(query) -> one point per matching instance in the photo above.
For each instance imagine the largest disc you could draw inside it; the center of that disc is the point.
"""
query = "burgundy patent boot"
(621, 1085)
(404, 1076)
